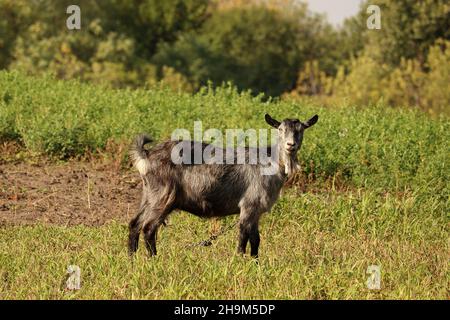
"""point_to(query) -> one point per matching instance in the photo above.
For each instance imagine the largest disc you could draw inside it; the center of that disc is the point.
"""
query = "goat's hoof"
(255, 259)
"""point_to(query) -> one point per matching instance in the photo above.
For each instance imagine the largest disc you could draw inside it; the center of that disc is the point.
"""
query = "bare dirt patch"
(91, 191)
(68, 193)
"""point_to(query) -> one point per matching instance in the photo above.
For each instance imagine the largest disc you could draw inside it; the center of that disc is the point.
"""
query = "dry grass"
(314, 246)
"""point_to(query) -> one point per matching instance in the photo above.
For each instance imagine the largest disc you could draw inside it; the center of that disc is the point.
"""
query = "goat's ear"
(271, 121)
(311, 121)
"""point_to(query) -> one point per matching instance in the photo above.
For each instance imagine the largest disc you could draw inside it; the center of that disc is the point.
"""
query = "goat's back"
(209, 189)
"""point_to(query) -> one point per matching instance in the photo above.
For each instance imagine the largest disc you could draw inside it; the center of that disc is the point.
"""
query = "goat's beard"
(289, 163)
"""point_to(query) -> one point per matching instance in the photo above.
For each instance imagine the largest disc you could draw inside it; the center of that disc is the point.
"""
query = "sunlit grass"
(313, 247)
(380, 196)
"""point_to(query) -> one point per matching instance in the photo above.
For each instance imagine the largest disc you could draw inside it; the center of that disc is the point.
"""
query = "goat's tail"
(139, 155)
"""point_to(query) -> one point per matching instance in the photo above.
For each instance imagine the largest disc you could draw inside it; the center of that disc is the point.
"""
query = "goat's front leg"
(254, 240)
(244, 235)
(248, 230)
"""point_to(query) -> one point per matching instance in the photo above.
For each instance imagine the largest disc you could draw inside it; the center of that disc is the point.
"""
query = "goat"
(211, 190)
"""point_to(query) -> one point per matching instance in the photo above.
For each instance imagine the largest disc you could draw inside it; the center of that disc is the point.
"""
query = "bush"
(408, 85)
(373, 146)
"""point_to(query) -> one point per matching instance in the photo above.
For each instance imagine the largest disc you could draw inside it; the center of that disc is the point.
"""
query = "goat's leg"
(158, 207)
(248, 230)
(154, 218)
(254, 240)
(243, 237)
(150, 231)
(134, 228)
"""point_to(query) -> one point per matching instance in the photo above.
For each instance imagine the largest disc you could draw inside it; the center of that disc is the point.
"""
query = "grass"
(313, 247)
(386, 202)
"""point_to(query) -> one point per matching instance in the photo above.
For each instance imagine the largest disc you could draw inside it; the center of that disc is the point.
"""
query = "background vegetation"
(378, 182)
(378, 147)
(376, 167)
(275, 47)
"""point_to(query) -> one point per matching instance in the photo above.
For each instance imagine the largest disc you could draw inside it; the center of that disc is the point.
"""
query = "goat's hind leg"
(150, 230)
(154, 218)
(134, 229)
(155, 214)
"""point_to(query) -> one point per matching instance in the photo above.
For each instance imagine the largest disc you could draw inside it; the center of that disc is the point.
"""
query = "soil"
(69, 193)
(90, 191)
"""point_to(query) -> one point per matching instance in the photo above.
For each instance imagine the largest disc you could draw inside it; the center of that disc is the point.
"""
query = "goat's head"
(290, 137)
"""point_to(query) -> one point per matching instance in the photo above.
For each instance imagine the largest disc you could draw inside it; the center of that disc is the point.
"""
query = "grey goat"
(211, 190)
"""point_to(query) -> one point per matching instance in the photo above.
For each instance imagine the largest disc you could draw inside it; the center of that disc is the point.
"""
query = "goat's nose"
(290, 144)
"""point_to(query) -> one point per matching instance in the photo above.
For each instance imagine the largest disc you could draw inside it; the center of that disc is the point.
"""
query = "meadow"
(373, 190)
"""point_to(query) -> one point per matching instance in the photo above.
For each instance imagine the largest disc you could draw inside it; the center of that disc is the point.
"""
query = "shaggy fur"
(211, 190)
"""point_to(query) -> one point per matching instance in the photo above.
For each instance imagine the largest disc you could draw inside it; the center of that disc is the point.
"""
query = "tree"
(408, 29)
(115, 44)
(256, 47)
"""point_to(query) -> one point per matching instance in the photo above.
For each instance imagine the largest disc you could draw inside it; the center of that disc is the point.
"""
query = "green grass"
(314, 246)
(392, 212)
(375, 146)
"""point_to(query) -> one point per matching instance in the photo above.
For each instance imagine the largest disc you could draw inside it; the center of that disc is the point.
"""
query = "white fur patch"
(142, 165)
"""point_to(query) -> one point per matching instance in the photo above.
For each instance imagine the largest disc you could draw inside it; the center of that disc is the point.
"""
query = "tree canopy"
(275, 47)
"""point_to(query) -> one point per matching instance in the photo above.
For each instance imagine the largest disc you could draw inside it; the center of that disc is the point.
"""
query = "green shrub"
(375, 146)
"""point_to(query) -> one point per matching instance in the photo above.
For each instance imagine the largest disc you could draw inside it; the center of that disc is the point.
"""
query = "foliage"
(314, 246)
(409, 84)
(409, 28)
(228, 48)
(436, 93)
(378, 183)
(405, 63)
(272, 47)
(374, 146)
(312, 80)
(391, 163)
(113, 47)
